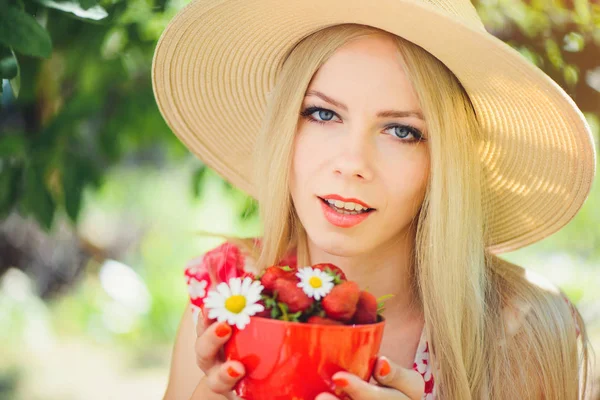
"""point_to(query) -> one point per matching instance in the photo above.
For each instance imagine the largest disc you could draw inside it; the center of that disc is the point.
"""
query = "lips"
(345, 200)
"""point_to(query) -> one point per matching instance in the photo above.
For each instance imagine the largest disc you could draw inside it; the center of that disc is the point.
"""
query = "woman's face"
(358, 137)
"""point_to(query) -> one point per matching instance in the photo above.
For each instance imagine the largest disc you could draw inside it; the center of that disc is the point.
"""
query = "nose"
(354, 159)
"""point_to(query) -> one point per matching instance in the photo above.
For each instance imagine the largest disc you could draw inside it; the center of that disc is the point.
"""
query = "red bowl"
(292, 360)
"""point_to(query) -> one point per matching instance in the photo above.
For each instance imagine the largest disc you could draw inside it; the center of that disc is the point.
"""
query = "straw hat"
(217, 60)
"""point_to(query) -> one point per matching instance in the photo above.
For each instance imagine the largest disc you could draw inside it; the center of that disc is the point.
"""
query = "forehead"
(366, 69)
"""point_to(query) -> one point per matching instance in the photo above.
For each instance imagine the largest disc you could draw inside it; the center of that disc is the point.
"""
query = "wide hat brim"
(217, 60)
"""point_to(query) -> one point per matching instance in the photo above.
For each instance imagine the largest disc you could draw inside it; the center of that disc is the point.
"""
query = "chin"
(339, 244)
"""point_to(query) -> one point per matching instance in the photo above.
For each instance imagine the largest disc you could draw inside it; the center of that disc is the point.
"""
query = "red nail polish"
(385, 368)
(341, 382)
(223, 330)
(232, 372)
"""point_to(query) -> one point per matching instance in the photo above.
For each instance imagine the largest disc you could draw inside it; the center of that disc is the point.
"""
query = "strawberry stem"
(381, 302)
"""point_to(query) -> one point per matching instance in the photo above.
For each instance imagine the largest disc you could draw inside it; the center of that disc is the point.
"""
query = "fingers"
(326, 396)
(201, 322)
(354, 387)
(209, 343)
(223, 379)
(408, 381)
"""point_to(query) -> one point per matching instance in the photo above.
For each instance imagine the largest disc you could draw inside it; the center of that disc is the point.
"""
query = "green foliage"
(337, 278)
(80, 102)
(84, 106)
(21, 32)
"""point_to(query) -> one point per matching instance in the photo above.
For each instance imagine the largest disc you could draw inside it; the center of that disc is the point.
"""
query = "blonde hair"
(464, 290)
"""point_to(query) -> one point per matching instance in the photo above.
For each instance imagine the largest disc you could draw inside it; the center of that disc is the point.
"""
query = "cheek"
(301, 164)
(407, 181)
(307, 156)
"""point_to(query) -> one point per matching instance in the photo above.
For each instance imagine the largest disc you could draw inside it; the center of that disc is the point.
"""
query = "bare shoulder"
(184, 373)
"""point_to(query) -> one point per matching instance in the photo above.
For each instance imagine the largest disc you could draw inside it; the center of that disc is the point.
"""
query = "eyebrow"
(380, 114)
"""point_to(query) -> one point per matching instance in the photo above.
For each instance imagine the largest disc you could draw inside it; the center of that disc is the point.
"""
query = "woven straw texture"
(217, 60)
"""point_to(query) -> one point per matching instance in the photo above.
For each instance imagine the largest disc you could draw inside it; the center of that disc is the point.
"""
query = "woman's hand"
(395, 383)
(219, 377)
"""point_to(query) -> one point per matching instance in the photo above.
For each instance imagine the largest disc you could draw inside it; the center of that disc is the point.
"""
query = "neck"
(384, 270)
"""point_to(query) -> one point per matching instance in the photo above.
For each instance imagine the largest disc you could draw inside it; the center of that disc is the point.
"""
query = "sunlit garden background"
(99, 203)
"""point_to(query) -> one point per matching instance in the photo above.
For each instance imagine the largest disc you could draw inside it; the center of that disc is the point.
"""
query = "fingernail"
(223, 330)
(341, 382)
(385, 367)
(232, 372)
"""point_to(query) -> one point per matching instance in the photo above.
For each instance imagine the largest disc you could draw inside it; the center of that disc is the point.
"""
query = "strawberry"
(366, 309)
(289, 293)
(315, 319)
(273, 273)
(332, 269)
(340, 303)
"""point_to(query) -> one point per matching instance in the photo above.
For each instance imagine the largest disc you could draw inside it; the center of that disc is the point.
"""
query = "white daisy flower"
(314, 282)
(197, 288)
(234, 302)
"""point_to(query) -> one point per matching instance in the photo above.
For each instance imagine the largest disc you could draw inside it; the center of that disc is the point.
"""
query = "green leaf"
(37, 198)
(9, 188)
(284, 310)
(250, 209)
(13, 145)
(197, 179)
(22, 32)
(9, 68)
(571, 74)
(270, 303)
(73, 180)
(15, 83)
(553, 53)
(574, 42)
(583, 12)
(275, 313)
(385, 297)
(337, 278)
(87, 4)
(94, 13)
(381, 302)
(295, 317)
(530, 55)
(286, 268)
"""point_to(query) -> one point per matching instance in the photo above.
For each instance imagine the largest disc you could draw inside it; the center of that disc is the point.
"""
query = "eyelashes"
(410, 130)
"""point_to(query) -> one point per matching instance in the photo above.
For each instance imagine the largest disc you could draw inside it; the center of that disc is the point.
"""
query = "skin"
(356, 154)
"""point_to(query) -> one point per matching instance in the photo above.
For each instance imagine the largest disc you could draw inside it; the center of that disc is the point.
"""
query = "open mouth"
(344, 211)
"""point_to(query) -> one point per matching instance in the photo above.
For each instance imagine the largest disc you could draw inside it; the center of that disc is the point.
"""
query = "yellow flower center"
(315, 282)
(235, 303)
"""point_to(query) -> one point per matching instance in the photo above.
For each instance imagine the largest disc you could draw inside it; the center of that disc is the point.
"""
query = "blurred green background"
(99, 201)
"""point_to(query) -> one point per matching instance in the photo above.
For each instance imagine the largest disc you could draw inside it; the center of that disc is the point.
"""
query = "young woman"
(410, 169)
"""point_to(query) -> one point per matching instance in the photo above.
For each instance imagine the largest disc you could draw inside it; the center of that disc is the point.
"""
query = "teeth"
(346, 206)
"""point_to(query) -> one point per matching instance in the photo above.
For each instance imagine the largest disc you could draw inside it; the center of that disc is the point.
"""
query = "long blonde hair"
(463, 289)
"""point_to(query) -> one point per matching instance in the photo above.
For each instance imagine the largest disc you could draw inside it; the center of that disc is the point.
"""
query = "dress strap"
(423, 365)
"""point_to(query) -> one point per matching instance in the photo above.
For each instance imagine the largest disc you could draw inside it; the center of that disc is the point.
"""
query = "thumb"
(408, 381)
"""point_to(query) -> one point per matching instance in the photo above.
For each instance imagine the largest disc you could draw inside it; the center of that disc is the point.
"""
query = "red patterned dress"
(227, 261)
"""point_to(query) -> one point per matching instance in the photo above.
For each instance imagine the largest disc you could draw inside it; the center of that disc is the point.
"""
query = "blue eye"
(400, 131)
(405, 130)
(323, 113)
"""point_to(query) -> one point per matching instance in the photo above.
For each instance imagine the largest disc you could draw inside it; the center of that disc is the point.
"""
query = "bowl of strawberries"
(294, 328)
